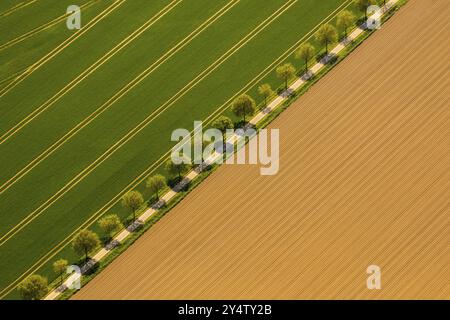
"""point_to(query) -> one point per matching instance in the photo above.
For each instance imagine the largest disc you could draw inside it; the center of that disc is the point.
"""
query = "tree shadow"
(308, 75)
(158, 204)
(90, 267)
(61, 288)
(135, 225)
(172, 182)
(223, 148)
(362, 23)
(345, 40)
(105, 239)
(182, 185)
(266, 110)
(203, 167)
(285, 93)
(330, 58)
(112, 245)
(240, 124)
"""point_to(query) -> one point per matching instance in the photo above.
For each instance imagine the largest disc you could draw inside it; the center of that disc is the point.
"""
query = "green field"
(69, 152)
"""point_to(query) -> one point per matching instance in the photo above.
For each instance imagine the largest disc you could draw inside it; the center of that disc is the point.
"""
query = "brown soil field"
(363, 180)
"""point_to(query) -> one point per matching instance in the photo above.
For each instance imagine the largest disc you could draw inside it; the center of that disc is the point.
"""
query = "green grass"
(112, 176)
(19, 56)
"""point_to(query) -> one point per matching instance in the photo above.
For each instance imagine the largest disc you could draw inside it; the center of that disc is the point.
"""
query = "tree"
(176, 169)
(362, 5)
(285, 72)
(59, 267)
(243, 106)
(345, 20)
(266, 91)
(33, 288)
(133, 200)
(85, 242)
(110, 224)
(155, 184)
(306, 52)
(325, 35)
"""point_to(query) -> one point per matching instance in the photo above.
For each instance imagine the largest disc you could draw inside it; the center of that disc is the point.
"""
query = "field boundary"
(320, 69)
(44, 259)
(15, 8)
(87, 72)
(132, 133)
(42, 27)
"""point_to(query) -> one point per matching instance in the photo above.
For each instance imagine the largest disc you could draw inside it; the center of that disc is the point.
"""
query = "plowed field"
(363, 180)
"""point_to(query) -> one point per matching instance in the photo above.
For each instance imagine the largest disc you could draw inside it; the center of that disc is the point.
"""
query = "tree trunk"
(224, 144)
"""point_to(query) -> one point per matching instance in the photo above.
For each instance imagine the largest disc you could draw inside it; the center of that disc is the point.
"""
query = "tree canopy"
(243, 106)
(326, 35)
(34, 287)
